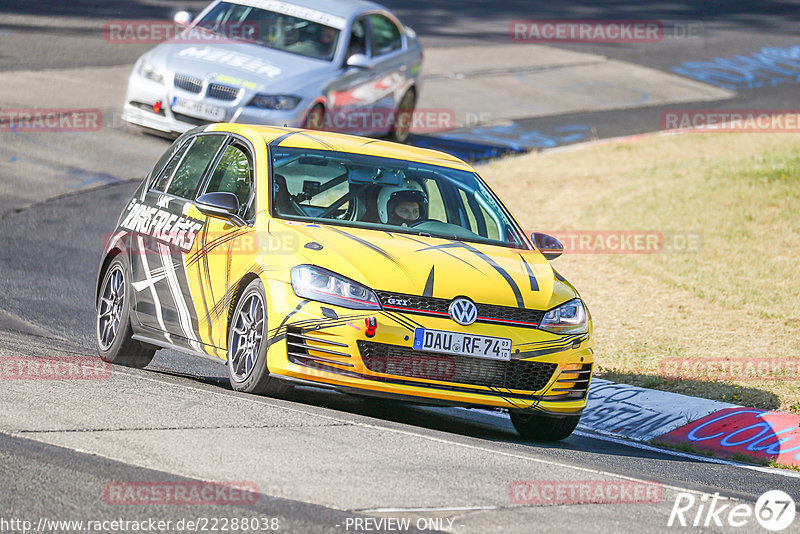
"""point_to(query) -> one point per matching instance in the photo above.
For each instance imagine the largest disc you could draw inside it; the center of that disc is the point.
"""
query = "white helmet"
(392, 195)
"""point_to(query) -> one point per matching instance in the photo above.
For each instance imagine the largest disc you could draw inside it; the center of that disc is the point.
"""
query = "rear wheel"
(539, 427)
(247, 345)
(404, 117)
(113, 332)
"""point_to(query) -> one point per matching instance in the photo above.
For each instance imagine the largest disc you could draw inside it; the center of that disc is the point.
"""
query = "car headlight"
(569, 318)
(279, 102)
(319, 284)
(147, 70)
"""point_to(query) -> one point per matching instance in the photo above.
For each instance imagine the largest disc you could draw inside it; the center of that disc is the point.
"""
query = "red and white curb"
(744, 431)
(637, 416)
(727, 430)
(642, 414)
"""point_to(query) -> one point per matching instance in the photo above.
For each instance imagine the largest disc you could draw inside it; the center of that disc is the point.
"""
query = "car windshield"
(388, 194)
(289, 28)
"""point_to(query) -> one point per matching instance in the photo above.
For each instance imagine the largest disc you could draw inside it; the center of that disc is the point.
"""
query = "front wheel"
(113, 331)
(247, 345)
(539, 427)
(404, 117)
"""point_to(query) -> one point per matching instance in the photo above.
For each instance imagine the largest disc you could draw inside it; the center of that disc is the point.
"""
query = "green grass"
(747, 210)
(736, 297)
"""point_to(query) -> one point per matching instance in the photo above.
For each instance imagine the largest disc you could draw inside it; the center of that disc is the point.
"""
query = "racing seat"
(283, 203)
(369, 205)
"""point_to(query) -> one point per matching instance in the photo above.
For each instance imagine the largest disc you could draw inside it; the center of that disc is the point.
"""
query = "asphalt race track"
(320, 460)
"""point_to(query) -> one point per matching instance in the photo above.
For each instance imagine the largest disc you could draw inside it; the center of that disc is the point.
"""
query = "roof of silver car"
(341, 8)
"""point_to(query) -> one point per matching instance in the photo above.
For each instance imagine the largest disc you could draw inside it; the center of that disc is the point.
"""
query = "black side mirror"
(220, 205)
(549, 246)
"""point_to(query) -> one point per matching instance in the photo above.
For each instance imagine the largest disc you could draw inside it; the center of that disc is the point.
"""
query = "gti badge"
(398, 302)
(463, 311)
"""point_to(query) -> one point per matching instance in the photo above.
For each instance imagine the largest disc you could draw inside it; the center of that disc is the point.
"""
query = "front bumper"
(328, 345)
(143, 94)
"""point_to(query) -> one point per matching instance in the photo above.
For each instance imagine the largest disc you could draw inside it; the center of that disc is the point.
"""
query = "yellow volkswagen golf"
(373, 268)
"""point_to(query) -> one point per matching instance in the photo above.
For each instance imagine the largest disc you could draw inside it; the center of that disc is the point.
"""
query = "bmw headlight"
(279, 102)
(147, 70)
(569, 318)
(315, 283)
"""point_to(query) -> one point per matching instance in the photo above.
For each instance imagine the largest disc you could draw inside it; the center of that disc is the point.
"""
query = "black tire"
(403, 118)
(113, 331)
(540, 427)
(248, 343)
(315, 118)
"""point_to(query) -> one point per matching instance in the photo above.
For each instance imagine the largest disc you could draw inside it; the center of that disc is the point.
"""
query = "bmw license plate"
(197, 109)
(493, 348)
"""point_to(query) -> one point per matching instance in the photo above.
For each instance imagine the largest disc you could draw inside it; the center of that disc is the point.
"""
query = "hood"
(418, 265)
(257, 67)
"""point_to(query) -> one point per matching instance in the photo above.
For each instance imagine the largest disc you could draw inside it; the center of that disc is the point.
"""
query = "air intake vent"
(407, 362)
(572, 385)
(303, 349)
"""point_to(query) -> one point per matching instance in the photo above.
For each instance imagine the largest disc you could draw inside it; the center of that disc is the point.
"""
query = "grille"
(405, 361)
(222, 92)
(487, 313)
(188, 83)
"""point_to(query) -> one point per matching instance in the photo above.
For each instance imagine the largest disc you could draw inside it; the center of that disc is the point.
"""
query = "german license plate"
(493, 348)
(197, 109)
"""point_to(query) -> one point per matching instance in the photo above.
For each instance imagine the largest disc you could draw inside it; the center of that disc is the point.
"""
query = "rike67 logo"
(774, 510)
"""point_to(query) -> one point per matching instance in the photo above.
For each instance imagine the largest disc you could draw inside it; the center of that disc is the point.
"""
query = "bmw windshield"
(287, 27)
(390, 195)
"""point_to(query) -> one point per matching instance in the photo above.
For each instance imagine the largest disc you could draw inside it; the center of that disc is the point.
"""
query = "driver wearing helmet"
(402, 205)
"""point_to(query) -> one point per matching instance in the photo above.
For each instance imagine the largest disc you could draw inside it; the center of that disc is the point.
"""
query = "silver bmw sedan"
(341, 65)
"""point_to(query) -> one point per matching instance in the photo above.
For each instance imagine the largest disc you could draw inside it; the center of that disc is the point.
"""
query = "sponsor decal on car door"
(163, 234)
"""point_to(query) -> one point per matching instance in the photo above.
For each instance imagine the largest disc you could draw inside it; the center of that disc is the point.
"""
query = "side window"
(234, 174)
(191, 170)
(358, 39)
(385, 35)
(161, 183)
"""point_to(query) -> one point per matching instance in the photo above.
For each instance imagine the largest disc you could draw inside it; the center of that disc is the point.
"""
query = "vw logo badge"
(463, 311)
